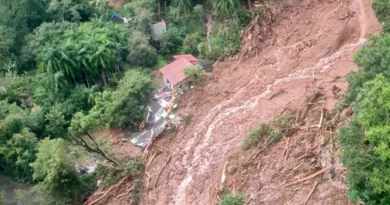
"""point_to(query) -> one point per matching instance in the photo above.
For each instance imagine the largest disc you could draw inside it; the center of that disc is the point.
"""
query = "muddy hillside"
(307, 49)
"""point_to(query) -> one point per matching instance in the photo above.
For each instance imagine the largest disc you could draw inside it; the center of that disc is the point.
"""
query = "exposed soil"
(118, 3)
(310, 50)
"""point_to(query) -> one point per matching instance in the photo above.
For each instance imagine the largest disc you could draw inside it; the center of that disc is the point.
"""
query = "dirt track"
(311, 49)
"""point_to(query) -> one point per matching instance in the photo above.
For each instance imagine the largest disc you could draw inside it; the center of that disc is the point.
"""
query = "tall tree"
(225, 7)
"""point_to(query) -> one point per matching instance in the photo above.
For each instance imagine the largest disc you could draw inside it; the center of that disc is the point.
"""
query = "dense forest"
(365, 152)
(70, 68)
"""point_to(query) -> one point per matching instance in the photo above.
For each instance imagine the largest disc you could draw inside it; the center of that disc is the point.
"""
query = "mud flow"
(308, 49)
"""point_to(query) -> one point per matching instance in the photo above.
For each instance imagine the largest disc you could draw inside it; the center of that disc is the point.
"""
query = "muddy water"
(8, 187)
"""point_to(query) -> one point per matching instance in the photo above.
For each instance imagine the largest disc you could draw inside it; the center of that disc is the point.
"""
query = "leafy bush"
(191, 42)
(225, 43)
(180, 8)
(110, 175)
(140, 52)
(225, 7)
(170, 42)
(161, 62)
(195, 74)
(255, 136)
(366, 143)
(272, 132)
(55, 169)
(237, 199)
(382, 10)
(372, 59)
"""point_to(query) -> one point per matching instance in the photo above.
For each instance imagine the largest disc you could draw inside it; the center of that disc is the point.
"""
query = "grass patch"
(229, 199)
(161, 62)
(272, 132)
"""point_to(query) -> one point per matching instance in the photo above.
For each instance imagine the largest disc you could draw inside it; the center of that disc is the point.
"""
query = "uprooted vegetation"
(271, 133)
(302, 156)
(236, 199)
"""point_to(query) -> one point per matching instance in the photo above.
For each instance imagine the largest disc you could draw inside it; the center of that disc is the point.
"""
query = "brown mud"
(310, 49)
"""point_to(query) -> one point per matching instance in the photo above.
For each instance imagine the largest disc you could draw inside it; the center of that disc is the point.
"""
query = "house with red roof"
(174, 72)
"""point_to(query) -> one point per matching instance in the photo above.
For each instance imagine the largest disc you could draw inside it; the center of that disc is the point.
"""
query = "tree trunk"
(86, 77)
(96, 150)
(104, 79)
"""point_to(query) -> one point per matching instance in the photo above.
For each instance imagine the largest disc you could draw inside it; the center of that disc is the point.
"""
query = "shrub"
(110, 175)
(225, 7)
(255, 136)
(170, 42)
(161, 62)
(272, 132)
(372, 59)
(195, 74)
(237, 199)
(191, 42)
(140, 52)
(225, 43)
(382, 10)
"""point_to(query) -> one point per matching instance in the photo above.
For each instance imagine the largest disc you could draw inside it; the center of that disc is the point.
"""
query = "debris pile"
(158, 118)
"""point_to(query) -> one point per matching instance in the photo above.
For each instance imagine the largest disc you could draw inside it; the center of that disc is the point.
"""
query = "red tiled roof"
(189, 57)
(174, 72)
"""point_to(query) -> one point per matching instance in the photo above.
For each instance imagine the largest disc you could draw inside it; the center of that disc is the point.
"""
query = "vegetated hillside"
(308, 48)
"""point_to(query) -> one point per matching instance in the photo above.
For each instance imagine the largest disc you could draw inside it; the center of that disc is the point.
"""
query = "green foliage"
(142, 12)
(17, 19)
(109, 175)
(7, 41)
(365, 141)
(15, 88)
(86, 54)
(55, 168)
(255, 136)
(161, 62)
(191, 42)
(18, 153)
(45, 33)
(140, 52)
(132, 8)
(225, 7)
(237, 199)
(127, 105)
(170, 42)
(372, 59)
(382, 10)
(272, 132)
(195, 74)
(225, 43)
(70, 10)
(180, 8)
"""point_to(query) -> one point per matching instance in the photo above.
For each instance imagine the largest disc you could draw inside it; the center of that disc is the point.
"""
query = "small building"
(174, 72)
(158, 30)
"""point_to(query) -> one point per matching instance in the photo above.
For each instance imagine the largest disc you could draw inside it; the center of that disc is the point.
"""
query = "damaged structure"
(174, 72)
(159, 115)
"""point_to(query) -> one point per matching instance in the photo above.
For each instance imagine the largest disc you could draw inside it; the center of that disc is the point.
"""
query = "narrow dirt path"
(312, 49)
